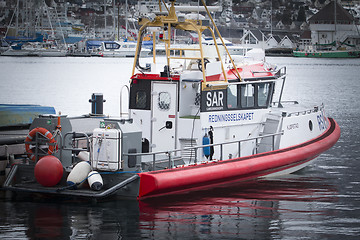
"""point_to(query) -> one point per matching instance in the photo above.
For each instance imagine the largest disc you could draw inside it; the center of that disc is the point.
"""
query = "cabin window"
(232, 97)
(112, 46)
(247, 96)
(164, 100)
(263, 91)
(140, 100)
(239, 96)
(140, 94)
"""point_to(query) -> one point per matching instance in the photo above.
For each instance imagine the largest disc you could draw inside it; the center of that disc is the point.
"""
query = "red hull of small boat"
(244, 168)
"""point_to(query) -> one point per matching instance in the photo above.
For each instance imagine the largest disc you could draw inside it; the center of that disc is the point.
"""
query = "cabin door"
(164, 105)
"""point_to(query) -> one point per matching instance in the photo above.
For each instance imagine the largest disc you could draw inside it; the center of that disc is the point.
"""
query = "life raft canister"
(30, 137)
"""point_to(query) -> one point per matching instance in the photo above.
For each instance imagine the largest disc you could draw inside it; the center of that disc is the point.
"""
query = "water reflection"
(256, 209)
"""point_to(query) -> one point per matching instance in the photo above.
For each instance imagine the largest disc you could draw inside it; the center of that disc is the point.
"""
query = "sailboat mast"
(114, 17)
(17, 18)
(126, 19)
(105, 19)
(335, 20)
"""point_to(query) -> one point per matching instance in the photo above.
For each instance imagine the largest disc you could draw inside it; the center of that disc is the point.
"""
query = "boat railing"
(121, 98)
(286, 102)
(307, 111)
(171, 153)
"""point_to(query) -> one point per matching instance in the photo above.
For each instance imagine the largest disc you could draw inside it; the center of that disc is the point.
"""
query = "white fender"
(84, 156)
(95, 181)
(79, 173)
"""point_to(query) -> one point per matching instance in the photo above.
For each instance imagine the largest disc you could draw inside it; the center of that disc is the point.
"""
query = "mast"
(335, 2)
(126, 19)
(105, 18)
(17, 18)
(114, 29)
(271, 23)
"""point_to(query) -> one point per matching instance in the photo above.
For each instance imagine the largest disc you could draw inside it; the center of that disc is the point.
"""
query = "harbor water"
(321, 201)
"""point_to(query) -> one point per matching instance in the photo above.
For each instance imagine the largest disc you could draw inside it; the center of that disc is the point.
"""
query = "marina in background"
(278, 29)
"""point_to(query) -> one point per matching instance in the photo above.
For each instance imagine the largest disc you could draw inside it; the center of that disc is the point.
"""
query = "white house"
(261, 14)
(275, 41)
(254, 38)
(286, 42)
(305, 40)
(331, 24)
(280, 25)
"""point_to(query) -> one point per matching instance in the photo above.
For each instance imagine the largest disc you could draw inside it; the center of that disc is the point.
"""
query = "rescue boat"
(195, 120)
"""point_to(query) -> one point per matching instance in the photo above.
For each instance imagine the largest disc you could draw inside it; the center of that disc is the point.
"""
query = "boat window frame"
(164, 101)
(242, 96)
(257, 104)
(267, 98)
(111, 45)
(230, 97)
(137, 86)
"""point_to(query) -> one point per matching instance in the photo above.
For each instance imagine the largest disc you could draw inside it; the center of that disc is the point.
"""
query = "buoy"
(48, 171)
(79, 174)
(95, 181)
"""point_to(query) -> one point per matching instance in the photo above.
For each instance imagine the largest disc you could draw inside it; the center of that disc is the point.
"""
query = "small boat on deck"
(198, 120)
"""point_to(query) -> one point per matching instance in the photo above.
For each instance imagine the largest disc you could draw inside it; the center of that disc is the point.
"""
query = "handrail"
(121, 91)
(307, 111)
(73, 148)
(169, 152)
(282, 75)
(278, 76)
(240, 83)
(186, 49)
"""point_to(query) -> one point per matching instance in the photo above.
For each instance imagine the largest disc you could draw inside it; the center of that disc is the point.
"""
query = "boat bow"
(238, 169)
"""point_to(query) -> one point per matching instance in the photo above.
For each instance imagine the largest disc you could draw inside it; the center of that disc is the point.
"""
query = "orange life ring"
(30, 137)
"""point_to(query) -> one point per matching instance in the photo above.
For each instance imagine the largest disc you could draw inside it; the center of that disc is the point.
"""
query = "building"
(332, 24)
(305, 40)
(253, 38)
